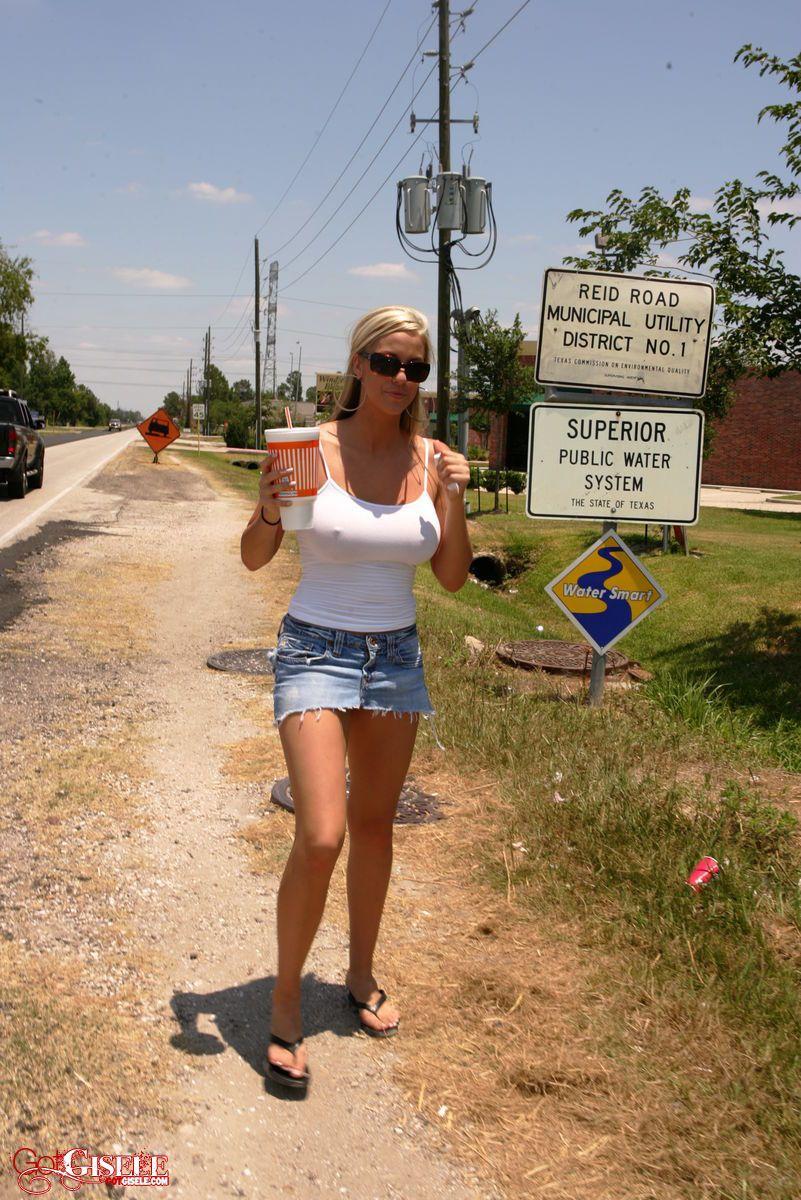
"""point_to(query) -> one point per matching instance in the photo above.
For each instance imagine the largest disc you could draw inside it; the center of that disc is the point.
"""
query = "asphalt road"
(60, 439)
(67, 464)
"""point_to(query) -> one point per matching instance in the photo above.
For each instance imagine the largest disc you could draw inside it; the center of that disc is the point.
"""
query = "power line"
(244, 321)
(361, 143)
(500, 31)
(403, 156)
(236, 285)
(344, 201)
(328, 118)
(151, 295)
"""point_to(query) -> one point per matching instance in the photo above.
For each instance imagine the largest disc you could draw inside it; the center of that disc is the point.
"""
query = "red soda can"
(704, 870)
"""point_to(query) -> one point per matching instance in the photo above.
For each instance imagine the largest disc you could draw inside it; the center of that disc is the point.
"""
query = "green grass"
(727, 639)
(614, 805)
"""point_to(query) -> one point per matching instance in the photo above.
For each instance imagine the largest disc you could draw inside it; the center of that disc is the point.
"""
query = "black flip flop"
(357, 1005)
(280, 1074)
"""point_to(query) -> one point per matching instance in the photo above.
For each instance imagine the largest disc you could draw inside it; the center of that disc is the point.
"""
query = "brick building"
(516, 423)
(758, 443)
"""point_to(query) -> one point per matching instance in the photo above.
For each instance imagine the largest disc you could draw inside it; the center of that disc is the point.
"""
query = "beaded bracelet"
(266, 522)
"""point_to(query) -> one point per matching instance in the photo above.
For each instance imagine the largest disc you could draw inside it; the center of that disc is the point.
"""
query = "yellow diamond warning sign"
(606, 591)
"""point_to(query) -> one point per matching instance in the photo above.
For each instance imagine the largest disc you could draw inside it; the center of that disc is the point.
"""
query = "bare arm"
(451, 562)
(260, 540)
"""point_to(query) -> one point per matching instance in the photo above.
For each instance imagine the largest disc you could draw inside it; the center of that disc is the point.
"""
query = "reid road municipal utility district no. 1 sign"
(600, 329)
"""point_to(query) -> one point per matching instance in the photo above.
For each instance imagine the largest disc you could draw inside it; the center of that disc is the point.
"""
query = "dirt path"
(186, 885)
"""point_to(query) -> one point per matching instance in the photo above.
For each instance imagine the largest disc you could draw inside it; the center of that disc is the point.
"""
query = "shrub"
(515, 480)
(239, 433)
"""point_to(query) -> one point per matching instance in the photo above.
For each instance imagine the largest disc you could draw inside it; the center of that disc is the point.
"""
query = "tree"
(242, 389)
(495, 374)
(173, 403)
(758, 318)
(290, 390)
(16, 297)
(311, 394)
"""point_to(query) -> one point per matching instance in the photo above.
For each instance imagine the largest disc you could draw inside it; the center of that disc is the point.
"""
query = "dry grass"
(77, 1063)
(74, 1065)
(562, 1059)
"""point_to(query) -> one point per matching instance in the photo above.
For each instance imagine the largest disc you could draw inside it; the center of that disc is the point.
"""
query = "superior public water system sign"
(627, 464)
(624, 333)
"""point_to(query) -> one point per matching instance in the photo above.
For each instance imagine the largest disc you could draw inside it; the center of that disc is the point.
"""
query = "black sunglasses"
(416, 370)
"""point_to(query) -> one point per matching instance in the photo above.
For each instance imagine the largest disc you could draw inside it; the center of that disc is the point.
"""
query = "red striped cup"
(298, 451)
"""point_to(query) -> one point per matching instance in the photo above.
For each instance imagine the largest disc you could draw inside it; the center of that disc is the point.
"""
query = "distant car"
(114, 425)
(37, 418)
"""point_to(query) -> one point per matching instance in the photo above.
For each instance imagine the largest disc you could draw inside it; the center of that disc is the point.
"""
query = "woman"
(348, 649)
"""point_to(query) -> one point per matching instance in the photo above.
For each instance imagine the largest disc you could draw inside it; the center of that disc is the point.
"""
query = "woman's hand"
(270, 482)
(452, 468)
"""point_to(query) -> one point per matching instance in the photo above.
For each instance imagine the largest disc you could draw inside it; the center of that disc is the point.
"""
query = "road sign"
(330, 383)
(198, 412)
(601, 329)
(159, 430)
(606, 592)
(614, 464)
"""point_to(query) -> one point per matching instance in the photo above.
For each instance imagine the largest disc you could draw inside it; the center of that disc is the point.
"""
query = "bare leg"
(315, 756)
(379, 752)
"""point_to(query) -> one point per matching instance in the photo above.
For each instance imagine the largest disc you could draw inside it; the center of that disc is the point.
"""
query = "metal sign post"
(622, 445)
(598, 668)
(605, 592)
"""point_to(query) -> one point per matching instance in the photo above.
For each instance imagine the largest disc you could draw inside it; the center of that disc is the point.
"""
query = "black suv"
(22, 449)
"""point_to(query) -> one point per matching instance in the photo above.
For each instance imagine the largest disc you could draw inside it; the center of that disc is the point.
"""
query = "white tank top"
(358, 559)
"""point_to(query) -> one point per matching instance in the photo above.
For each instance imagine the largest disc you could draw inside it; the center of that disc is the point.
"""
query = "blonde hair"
(395, 318)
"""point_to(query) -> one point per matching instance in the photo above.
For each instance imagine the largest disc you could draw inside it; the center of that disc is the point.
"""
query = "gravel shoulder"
(172, 928)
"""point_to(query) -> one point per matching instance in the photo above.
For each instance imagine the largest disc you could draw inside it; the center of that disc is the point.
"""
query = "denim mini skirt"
(318, 667)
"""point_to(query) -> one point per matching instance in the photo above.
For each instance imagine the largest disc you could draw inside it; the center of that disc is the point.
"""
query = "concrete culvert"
(488, 568)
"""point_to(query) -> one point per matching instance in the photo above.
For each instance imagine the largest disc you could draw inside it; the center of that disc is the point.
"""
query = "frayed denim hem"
(375, 711)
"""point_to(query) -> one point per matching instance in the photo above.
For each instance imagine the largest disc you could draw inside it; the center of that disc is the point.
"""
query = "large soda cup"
(297, 449)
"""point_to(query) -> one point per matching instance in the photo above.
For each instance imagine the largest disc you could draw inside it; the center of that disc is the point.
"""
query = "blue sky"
(143, 145)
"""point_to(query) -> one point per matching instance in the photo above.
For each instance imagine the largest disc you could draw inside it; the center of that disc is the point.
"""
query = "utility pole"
(206, 381)
(188, 403)
(444, 274)
(257, 336)
(299, 389)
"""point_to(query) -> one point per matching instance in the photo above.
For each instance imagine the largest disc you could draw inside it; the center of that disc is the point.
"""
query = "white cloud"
(46, 238)
(789, 205)
(383, 270)
(700, 204)
(88, 346)
(663, 259)
(208, 191)
(163, 339)
(148, 277)
(133, 188)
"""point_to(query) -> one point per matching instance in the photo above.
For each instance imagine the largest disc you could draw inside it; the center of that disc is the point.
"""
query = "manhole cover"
(415, 807)
(245, 662)
(566, 658)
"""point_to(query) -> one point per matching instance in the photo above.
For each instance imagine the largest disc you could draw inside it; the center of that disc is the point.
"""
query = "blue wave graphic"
(603, 626)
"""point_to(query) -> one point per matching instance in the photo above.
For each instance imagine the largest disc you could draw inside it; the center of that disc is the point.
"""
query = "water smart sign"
(606, 592)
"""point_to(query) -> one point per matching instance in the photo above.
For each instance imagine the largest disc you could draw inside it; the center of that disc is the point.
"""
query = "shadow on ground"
(758, 663)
